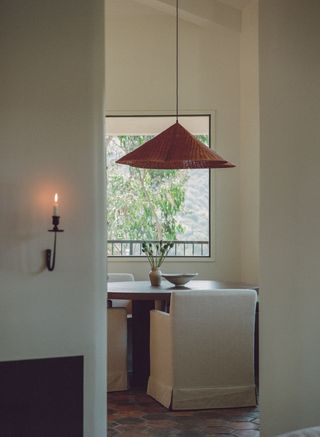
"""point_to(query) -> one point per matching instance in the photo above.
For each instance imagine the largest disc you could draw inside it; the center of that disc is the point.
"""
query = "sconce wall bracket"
(51, 263)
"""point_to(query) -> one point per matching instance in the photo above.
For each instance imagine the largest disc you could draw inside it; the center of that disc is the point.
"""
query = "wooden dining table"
(144, 296)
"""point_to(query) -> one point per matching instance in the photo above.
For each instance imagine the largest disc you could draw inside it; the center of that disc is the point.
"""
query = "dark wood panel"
(42, 397)
(141, 341)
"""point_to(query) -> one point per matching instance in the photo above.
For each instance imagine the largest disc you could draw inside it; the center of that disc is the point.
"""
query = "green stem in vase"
(156, 252)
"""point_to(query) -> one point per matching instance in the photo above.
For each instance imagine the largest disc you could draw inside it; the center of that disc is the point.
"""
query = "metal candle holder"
(50, 265)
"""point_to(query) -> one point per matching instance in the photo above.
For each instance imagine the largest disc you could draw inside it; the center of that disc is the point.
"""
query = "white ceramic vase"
(155, 277)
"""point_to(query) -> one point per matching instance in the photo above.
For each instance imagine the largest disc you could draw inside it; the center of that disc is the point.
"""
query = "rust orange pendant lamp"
(174, 148)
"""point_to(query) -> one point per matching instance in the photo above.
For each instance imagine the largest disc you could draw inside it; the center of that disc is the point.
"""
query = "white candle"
(56, 205)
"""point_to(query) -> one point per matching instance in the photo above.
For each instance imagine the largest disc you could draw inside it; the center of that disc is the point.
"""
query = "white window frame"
(212, 192)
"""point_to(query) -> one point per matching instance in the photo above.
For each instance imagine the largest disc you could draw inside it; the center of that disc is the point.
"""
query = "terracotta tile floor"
(133, 413)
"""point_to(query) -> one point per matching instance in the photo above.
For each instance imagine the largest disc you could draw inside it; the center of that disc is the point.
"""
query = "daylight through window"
(152, 205)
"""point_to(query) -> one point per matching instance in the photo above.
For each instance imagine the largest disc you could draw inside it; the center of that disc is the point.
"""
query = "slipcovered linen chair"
(306, 432)
(117, 349)
(121, 277)
(202, 352)
(117, 335)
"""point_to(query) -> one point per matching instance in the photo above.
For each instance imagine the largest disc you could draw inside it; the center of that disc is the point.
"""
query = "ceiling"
(127, 8)
(199, 12)
(238, 4)
(147, 7)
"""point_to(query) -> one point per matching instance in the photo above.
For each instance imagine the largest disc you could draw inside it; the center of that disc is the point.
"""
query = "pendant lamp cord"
(177, 58)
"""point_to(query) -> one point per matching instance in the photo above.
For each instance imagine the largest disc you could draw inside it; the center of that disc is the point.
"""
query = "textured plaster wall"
(290, 211)
(140, 52)
(51, 139)
(250, 143)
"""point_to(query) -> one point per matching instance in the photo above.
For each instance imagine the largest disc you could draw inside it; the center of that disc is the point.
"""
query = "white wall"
(249, 152)
(140, 53)
(290, 212)
(52, 64)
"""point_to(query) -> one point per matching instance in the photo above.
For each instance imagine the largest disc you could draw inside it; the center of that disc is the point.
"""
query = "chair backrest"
(117, 349)
(306, 432)
(120, 277)
(213, 333)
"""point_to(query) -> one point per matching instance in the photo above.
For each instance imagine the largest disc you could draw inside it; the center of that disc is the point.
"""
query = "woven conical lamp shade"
(174, 148)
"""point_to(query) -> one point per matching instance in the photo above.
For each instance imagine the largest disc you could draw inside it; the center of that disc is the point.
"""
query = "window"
(152, 205)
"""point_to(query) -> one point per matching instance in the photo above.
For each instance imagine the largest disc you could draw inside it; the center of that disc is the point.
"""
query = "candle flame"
(56, 198)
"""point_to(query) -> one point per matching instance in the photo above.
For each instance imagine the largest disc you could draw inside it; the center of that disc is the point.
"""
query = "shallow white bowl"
(179, 278)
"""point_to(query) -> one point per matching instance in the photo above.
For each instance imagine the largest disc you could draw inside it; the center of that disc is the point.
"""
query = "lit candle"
(56, 205)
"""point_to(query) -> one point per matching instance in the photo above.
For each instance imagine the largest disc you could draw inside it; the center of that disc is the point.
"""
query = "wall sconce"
(55, 221)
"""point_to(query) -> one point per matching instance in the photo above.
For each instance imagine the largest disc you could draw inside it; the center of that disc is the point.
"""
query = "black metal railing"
(118, 248)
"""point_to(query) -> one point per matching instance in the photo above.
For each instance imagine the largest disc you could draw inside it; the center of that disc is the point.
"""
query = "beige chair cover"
(117, 349)
(121, 277)
(202, 353)
(306, 432)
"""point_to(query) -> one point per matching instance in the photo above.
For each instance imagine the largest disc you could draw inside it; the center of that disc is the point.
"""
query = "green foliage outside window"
(143, 204)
